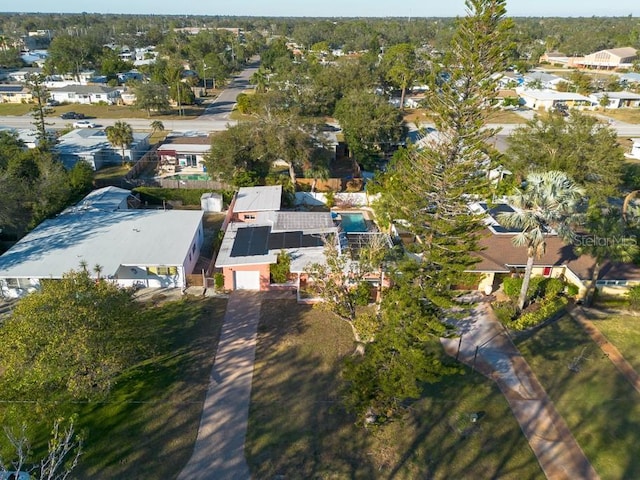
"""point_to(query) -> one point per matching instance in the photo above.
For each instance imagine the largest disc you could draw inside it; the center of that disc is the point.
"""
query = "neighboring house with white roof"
(617, 99)
(21, 76)
(250, 201)
(543, 79)
(85, 94)
(630, 78)
(548, 99)
(28, 136)
(149, 248)
(92, 146)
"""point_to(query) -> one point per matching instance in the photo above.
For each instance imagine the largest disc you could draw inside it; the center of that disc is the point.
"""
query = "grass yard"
(505, 116)
(621, 330)
(626, 115)
(297, 428)
(146, 427)
(15, 108)
(115, 172)
(600, 407)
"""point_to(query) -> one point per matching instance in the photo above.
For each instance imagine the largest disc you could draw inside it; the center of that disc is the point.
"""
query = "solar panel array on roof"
(495, 212)
(11, 88)
(251, 241)
(293, 240)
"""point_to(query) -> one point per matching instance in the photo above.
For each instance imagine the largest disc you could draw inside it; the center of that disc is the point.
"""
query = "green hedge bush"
(188, 196)
(538, 287)
(633, 297)
(548, 308)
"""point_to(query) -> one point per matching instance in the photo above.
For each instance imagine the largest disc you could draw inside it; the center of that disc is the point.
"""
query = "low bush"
(218, 281)
(281, 269)
(633, 297)
(505, 311)
(363, 293)
(551, 287)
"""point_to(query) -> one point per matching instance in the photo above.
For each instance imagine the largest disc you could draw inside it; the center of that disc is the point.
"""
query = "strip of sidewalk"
(486, 347)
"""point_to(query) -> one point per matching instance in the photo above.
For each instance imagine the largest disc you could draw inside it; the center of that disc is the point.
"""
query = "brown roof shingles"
(498, 253)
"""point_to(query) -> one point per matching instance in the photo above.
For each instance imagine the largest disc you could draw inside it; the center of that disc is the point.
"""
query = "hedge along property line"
(549, 309)
(156, 195)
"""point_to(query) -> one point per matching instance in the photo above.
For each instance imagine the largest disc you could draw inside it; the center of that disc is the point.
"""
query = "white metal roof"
(184, 148)
(258, 199)
(106, 238)
(553, 95)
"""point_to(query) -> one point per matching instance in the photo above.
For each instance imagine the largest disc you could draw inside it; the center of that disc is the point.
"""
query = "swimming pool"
(193, 176)
(353, 222)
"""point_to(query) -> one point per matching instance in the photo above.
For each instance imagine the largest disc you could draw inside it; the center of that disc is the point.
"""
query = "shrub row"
(549, 307)
(188, 196)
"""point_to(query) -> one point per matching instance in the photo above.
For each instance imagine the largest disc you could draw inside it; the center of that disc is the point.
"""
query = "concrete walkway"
(219, 449)
(607, 348)
(486, 346)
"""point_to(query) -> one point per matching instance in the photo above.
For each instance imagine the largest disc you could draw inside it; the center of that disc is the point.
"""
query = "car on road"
(84, 124)
(72, 116)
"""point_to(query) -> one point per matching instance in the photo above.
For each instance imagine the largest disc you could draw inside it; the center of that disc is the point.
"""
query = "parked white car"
(84, 124)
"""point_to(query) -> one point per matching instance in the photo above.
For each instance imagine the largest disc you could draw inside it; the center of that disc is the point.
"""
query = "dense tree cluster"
(34, 185)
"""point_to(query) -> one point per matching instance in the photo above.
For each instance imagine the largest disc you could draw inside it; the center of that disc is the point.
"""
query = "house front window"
(162, 270)
(188, 161)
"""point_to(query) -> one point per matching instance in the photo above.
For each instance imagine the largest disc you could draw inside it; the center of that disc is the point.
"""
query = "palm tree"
(120, 135)
(546, 204)
(157, 126)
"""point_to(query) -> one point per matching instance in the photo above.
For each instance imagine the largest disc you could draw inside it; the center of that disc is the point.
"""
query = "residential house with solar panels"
(133, 247)
(258, 231)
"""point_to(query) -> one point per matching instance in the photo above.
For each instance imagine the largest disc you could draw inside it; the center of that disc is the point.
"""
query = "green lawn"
(148, 424)
(600, 407)
(627, 115)
(15, 108)
(297, 428)
(623, 331)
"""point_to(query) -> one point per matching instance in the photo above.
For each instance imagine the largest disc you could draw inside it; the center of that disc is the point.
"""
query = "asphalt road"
(215, 118)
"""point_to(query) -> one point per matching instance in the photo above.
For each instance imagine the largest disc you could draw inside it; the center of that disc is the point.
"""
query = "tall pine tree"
(429, 189)
(429, 185)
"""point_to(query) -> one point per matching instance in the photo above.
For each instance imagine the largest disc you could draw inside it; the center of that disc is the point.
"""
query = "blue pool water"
(353, 222)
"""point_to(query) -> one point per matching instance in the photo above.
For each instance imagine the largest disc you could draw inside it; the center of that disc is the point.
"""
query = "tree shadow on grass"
(600, 407)
(297, 427)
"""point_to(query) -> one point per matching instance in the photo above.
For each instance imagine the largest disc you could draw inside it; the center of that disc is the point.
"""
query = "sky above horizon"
(331, 8)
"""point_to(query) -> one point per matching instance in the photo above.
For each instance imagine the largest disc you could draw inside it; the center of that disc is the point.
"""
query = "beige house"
(499, 258)
(611, 59)
(15, 94)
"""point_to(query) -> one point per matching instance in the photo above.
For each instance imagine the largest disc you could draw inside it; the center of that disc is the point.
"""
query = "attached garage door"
(246, 280)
